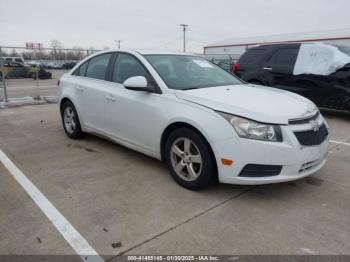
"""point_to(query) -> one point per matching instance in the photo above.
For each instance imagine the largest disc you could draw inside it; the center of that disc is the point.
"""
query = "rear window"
(285, 56)
(251, 56)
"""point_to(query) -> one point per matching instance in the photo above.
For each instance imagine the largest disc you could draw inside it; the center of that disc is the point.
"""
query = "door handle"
(111, 98)
(267, 68)
(79, 88)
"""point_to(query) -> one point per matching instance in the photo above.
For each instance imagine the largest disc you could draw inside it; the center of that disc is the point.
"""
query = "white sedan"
(203, 122)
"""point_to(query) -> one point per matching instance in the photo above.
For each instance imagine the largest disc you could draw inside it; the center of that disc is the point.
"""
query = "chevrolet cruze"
(203, 122)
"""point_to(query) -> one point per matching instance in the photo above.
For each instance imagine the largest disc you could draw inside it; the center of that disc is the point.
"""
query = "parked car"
(69, 65)
(274, 65)
(205, 123)
(226, 64)
(42, 74)
(53, 65)
(15, 70)
(17, 59)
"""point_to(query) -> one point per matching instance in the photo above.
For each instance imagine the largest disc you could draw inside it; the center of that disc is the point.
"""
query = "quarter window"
(97, 66)
(127, 66)
(81, 70)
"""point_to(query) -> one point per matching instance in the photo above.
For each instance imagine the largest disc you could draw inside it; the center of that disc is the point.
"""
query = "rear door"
(278, 68)
(250, 63)
(90, 91)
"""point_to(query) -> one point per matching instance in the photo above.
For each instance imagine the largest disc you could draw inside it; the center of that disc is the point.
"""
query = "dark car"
(42, 74)
(18, 70)
(68, 65)
(273, 65)
(226, 64)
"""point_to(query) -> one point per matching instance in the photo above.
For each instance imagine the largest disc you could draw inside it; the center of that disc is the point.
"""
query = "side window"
(285, 57)
(251, 56)
(97, 66)
(127, 66)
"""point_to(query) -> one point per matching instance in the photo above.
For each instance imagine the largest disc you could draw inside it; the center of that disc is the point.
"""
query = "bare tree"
(57, 53)
(56, 44)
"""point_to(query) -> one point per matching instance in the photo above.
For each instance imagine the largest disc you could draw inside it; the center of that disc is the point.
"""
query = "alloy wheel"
(186, 159)
(69, 120)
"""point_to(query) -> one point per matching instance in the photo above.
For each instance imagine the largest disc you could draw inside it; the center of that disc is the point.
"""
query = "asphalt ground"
(123, 202)
(22, 87)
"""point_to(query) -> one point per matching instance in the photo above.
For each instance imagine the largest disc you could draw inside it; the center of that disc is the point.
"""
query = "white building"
(233, 48)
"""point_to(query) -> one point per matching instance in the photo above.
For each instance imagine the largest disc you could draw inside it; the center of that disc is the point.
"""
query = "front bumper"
(297, 161)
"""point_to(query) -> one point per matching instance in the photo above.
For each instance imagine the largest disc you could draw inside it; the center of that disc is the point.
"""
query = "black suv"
(273, 65)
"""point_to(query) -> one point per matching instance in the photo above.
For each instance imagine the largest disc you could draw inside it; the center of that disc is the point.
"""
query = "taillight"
(235, 67)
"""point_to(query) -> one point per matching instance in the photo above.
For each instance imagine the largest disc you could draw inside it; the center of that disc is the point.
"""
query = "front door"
(130, 115)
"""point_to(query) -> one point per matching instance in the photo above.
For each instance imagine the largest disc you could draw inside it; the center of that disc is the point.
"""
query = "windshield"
(183, 72)
(345, 49)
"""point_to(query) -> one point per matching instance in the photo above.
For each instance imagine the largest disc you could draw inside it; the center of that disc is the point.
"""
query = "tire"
(70, 121)
(192, 167)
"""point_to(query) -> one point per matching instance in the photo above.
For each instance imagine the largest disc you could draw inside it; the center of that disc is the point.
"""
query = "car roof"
(277, 45)
(145, 52)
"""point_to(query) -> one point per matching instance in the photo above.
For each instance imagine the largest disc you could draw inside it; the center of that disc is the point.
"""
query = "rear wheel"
(189, 159)
(70, 121)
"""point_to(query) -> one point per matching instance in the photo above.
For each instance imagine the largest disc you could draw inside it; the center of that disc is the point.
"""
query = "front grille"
(252, 170)
(311, 137)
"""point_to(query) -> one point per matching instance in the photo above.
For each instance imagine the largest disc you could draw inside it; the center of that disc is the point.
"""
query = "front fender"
(210, 124)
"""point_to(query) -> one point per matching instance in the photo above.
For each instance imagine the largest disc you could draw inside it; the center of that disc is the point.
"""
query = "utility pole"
(184, 30)
(118, 43)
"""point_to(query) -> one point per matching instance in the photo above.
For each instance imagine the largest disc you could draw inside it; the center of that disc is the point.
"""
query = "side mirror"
(137, 83)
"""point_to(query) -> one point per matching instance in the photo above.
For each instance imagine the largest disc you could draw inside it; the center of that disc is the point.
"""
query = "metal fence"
(45, 53)
(28, 88)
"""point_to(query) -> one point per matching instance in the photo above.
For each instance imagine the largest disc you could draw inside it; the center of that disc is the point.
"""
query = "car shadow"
(95, 144)
(268, 191)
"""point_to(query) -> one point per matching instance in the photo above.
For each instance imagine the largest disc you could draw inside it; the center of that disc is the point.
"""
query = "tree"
(57, 53)
(56, 44)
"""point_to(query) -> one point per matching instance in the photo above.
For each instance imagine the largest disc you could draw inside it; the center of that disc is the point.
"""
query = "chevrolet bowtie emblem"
(314, 125)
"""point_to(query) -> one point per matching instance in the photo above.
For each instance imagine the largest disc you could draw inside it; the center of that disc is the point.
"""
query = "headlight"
(250, 129)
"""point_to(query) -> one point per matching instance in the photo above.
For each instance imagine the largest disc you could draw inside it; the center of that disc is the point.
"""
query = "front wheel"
(190, 159)
(70, 121)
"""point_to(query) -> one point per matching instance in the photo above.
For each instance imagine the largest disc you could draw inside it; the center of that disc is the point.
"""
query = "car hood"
(259, 103)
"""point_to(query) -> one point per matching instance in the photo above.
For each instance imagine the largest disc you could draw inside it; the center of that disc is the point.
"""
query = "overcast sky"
(155, 23)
